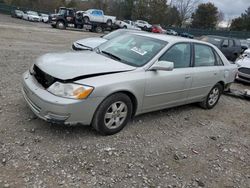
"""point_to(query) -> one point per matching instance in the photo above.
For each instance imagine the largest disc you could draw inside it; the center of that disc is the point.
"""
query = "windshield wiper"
(112, 55)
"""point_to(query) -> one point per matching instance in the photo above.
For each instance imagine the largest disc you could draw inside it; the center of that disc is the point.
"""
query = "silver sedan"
(126, 76)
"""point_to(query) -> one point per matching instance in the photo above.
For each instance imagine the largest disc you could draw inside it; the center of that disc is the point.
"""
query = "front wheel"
(98, 29)
(212, 97)
(109, 22)
(113, 114)
(60, 25)
(86, 19)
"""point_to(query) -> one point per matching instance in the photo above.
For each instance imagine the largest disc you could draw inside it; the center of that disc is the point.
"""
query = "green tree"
(140, 10)
(241, 23)
(157, 11)
(172, 17)
(205, 16)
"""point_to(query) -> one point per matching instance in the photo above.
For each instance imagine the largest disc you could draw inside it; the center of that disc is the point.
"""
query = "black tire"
(98, 29)
(99, 121)
(86, 19)
(79, 26)
(125, 27)
(60, 25)
(206, 104)
(109, 22)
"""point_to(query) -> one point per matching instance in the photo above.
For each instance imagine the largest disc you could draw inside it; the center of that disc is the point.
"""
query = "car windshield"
(114, 34)
(18, 11)
(62, 11)
(132, 49)
(33, 13)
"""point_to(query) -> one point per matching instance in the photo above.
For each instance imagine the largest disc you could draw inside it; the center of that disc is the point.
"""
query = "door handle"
(187, 76)
(215, 73)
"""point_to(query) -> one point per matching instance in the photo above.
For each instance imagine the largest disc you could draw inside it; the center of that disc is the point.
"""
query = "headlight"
(72, 91)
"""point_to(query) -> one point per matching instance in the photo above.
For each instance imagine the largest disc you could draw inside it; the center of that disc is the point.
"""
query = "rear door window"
(204, 56)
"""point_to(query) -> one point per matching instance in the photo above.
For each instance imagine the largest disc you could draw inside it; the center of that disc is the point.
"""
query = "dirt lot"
(180, 147)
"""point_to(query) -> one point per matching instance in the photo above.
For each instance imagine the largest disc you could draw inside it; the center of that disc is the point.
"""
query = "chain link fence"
(201, 32)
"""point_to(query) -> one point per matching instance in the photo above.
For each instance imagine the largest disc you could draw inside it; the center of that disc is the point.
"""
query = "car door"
(98, 16)
(70, 16)
(93, 16)
(169, 88)
(205, 72)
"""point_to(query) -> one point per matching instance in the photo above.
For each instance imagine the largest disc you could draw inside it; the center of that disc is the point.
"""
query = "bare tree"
(186, 8)
(221, 16)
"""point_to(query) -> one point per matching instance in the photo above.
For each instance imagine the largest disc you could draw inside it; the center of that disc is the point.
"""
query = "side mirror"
(224, 46)
(162, 65)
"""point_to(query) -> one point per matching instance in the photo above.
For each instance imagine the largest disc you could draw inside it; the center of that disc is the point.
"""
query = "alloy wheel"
(116, 115)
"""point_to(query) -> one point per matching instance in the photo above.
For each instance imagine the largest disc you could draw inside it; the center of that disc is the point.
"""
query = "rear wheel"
(98, 29)
(213, 97)
(113, 114)
(60, 25)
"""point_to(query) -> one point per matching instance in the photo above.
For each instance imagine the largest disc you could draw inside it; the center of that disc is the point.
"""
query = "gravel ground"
(180, 147)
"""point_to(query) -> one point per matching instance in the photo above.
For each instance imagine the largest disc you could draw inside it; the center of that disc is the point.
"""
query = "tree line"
(176, 13)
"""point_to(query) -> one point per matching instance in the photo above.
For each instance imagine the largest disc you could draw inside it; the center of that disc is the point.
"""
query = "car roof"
(170, 39)
(94, 9)
(221, 37)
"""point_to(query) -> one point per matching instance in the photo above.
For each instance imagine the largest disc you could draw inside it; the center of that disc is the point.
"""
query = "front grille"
(244, 78)
(244, 70)
(43, 78)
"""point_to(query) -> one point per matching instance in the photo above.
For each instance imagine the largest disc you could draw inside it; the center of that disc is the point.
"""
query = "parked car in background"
(127, 24)
(17, 14)
(92, 43)
(158, 29)
(171, 32)
(244, 67)
(44, 18)
(187, 35)
(143, 25)
(31, 16)
(230, 47)
(129, 75)
(95, 15)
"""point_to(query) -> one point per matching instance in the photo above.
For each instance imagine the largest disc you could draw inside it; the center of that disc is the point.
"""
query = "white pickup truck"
(95, 15)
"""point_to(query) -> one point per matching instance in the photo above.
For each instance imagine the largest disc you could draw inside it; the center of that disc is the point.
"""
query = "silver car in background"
(31, 16)
(93, 42)
(243, 64)
(126, 76)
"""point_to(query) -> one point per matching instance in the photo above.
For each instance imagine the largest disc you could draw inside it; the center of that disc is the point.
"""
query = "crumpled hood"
(71, 65)
(245, 62)
(90, 42)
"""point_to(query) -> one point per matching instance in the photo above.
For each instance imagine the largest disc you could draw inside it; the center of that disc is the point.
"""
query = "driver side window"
(179, 54)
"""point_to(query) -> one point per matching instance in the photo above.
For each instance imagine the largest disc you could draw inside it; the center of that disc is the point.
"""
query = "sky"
(230, 8)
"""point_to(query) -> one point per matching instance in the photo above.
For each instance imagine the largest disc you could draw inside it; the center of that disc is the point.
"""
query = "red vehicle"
(158, 29)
